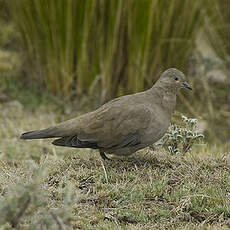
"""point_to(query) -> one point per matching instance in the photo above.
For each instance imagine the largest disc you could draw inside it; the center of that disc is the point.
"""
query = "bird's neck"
(169, 102)
(167, 97)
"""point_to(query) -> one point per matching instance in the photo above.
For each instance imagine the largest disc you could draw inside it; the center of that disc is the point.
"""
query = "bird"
(123, 125)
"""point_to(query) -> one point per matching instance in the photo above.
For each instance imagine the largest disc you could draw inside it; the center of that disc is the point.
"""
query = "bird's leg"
(103, 156)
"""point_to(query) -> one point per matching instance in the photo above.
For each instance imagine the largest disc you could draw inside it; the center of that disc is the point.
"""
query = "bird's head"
(173, 79)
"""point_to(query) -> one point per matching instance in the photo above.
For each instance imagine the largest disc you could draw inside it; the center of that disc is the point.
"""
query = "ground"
(48, 187)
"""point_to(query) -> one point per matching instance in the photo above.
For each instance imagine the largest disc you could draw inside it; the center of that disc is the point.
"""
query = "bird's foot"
(103, 156)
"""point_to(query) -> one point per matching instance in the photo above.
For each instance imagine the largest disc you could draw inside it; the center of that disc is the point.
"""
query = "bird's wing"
(110, 127)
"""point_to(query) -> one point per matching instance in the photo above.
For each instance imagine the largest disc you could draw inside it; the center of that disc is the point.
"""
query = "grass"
(217, 30)
(210, 98)
(165, 193)
(42, 186)
(82, 46)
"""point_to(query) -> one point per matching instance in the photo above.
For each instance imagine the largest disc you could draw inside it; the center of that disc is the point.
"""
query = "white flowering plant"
(180, 139)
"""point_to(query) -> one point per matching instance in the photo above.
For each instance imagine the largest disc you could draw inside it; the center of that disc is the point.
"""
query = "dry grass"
(42, 186)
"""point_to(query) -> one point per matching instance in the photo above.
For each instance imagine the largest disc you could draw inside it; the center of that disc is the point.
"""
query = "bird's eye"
(176, 78)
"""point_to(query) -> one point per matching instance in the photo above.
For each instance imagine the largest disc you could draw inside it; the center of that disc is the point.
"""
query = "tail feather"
(39, 134)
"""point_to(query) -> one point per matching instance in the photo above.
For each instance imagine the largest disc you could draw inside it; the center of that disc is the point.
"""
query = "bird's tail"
(40, 134)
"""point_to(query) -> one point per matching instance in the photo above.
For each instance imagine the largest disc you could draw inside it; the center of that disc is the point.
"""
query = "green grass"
(43, 186)
(105, 47)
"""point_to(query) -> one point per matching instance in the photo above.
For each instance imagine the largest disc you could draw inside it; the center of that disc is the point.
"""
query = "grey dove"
(123, 125)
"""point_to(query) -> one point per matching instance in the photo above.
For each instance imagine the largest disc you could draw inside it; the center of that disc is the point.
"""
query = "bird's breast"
(157, 127)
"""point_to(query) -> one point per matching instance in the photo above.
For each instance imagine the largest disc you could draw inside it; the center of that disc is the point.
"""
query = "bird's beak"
(186, 85)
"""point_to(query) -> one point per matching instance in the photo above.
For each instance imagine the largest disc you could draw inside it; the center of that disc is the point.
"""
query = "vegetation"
(46, 187)
(110, 47)
(181, 138)
(217, 29)
(107, 48)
